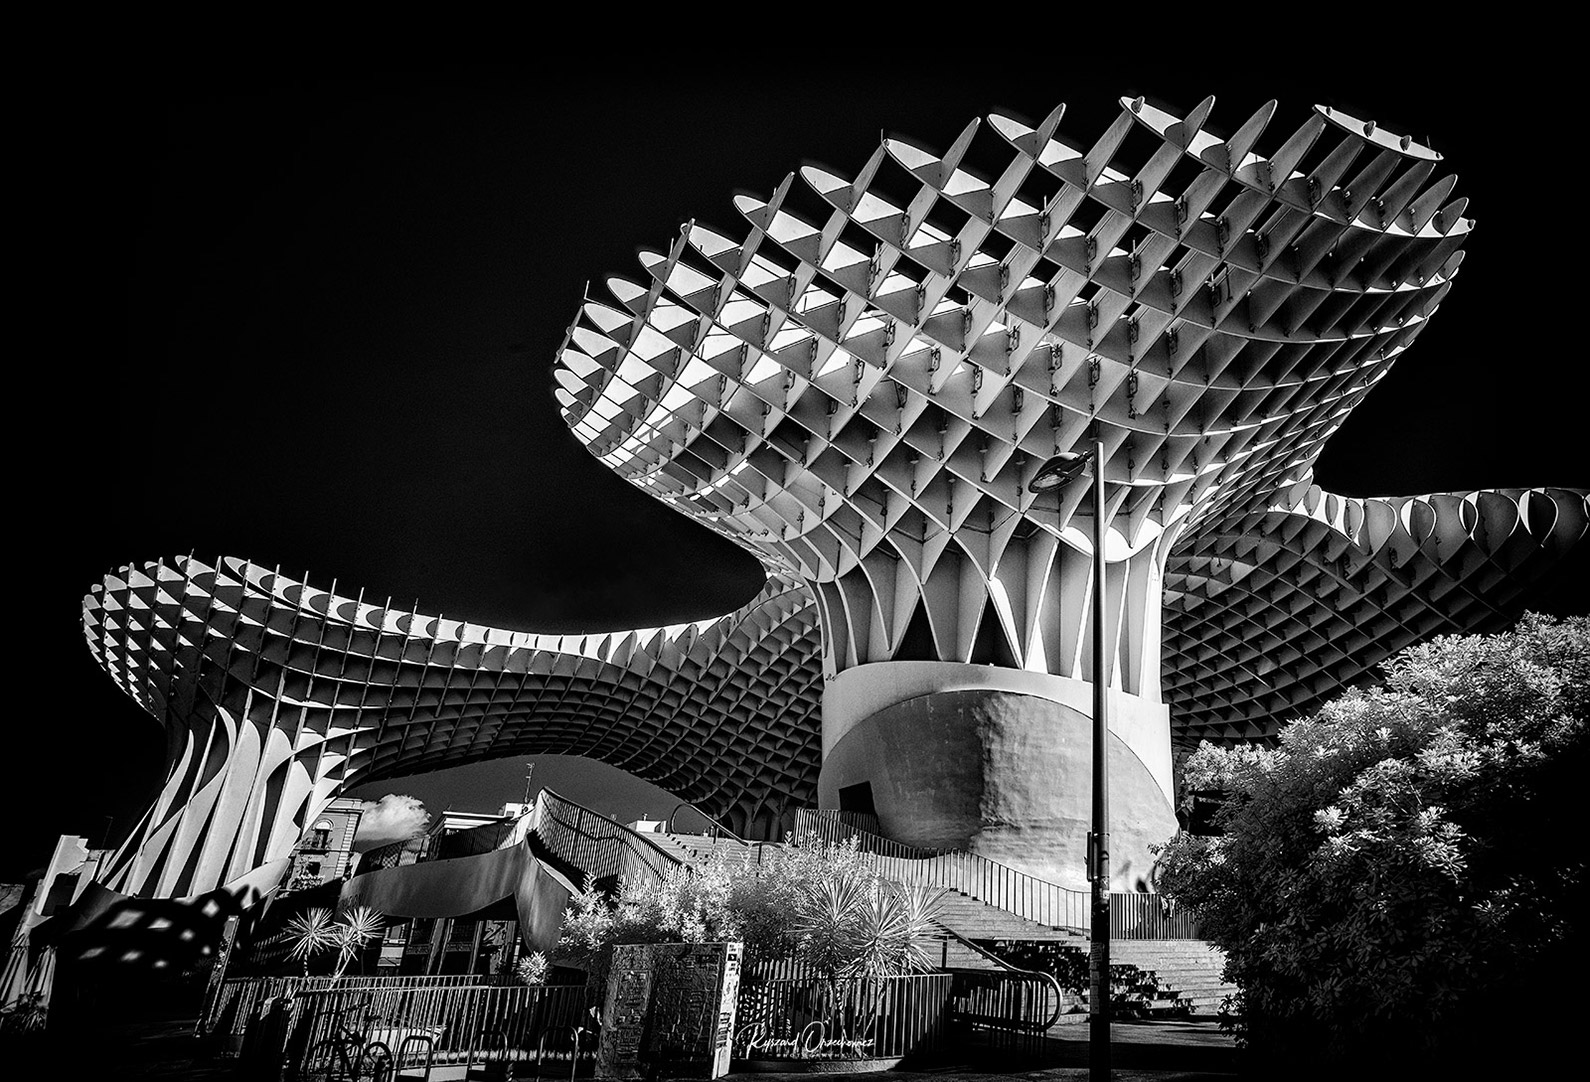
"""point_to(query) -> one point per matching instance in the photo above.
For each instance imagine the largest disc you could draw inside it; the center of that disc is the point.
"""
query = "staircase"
(974, 919)
(965, 918)
(1148, 976)
(700, 848)
(671, 845)
(1189, 967)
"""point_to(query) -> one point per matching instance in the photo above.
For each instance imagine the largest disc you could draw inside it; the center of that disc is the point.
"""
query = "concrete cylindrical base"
(1002, 769)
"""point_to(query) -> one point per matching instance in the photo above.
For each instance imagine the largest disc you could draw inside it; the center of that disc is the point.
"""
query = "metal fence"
(1132, 915)
(986, 880)
(854, 1018)
(916, 1016)
(333, 1032)
(1006, 1012)
(1149, 916)
(318, 1029)
(238, 1002)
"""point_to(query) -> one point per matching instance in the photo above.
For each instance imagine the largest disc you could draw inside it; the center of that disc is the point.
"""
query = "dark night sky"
(311, 323)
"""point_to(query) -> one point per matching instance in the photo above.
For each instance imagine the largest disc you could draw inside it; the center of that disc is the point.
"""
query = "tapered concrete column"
(997, 761)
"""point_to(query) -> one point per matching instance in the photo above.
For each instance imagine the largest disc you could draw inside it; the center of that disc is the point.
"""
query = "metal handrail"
(983, 952)
(976, 876)
(716, 823)
(1011, 1021)
(1004, 966)
(635, 853)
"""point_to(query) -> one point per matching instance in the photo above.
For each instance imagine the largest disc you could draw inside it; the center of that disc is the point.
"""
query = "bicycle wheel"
(376, 1063)
(326, 1062)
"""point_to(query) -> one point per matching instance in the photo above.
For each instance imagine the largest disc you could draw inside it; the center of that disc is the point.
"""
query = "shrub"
(1403, 863)
(819, 902)
(531, 968)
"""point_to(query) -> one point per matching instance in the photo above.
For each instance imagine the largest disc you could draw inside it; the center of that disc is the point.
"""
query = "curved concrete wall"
(1142, 724)
(999, 770)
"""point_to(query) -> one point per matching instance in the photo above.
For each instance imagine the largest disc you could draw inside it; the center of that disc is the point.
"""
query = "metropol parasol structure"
(860, 389)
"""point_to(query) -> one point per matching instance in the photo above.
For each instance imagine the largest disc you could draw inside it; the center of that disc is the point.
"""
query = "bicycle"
(348, 1056)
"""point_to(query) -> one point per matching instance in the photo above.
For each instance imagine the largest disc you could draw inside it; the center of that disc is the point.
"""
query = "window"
(319, 836)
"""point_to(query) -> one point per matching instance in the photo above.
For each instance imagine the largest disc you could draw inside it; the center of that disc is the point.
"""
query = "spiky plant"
(921, 906)
(829, 922)
(316, 930)
(311, 932)
(855, 925)
(360, 925)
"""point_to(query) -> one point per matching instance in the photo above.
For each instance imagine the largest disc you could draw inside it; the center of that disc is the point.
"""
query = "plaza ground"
(1161, 1051)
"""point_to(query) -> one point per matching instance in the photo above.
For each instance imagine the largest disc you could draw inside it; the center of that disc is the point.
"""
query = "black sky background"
(311, 322)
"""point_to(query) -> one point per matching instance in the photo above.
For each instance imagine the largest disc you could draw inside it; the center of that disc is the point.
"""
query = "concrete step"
(699, 848)
(668, 845)
(953, 954)
(1161, 977)
(1190, 949)
(974, 919)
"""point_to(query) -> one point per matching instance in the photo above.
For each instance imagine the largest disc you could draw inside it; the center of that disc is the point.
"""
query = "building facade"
(325, 852)
(859, 389)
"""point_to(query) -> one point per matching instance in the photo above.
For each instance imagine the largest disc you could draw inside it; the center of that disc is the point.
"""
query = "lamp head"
(1059, 471)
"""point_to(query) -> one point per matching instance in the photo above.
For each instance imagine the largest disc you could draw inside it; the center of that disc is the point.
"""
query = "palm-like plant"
(829, 922)
(311, 932)
(316, 930)
(860, 926)
(892, 929)
(360, 925)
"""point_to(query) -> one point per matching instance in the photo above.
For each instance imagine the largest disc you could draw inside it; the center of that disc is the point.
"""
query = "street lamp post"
(1056, 473)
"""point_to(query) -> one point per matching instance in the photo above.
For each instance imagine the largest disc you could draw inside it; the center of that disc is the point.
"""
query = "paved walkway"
(1169, 1051)
(1152, 1051)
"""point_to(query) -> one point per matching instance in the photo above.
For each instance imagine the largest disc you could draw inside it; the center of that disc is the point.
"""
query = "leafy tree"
(1400, 869)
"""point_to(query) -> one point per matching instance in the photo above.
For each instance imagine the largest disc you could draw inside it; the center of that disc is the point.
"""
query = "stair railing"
(718, 829)
(988, 881)
(981, 952)
(1150, 916)
(593, 843)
